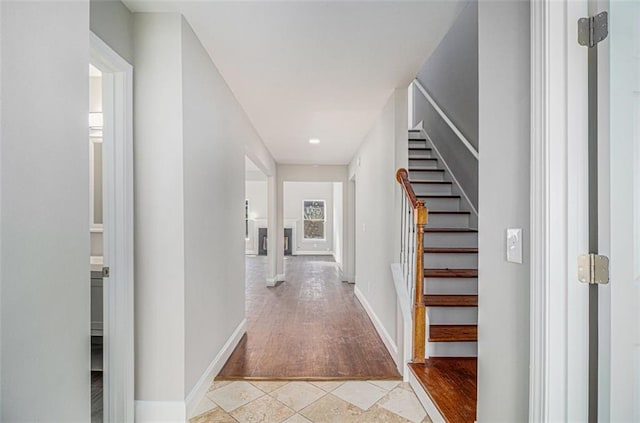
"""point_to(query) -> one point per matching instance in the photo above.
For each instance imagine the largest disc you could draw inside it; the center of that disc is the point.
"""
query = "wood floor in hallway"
(309, 327)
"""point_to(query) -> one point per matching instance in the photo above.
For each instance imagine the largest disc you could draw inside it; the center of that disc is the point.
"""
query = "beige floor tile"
(205, 406)
(359, 393)
(216, 415)
(387, 385)
(297, 418)
(262, 410)
(328, 385)
(269, 386)
(297, 395)
(404, 403)
(217, 384)
(234, 395)
(378, 414)
(331, 409)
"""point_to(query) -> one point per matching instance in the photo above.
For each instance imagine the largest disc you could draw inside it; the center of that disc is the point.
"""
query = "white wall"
(214, 207)
(189, 212)
(159, 208)
(376, 212)
(503, 288)
(44, 212)
(294, 195)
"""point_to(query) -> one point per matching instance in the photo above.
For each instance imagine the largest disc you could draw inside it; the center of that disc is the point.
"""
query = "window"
(314, 219)
(246, 219)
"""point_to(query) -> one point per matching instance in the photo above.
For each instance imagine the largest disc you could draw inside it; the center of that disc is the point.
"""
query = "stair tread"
(419, 169)
(413, 181)
(441, 300)
(438, 196)
(423, 158)
(448, 212)
(451, 384)
(463, 230)
(453, 333)
(419, 148)
(450, 273)
(448, 250)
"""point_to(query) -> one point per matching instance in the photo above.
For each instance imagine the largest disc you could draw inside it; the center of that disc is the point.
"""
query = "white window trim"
(324, 220)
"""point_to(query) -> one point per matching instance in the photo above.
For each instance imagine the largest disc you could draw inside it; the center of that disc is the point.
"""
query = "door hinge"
(593, 29)
(106, 272)
(593, 269)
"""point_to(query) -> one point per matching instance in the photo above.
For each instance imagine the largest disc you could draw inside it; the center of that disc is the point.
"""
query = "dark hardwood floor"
(451, 384)
(310, 327)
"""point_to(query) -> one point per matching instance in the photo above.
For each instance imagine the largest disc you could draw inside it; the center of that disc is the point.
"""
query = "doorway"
(111, 256)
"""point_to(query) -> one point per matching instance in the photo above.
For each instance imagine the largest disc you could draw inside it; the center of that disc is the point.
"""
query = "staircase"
(450, 256)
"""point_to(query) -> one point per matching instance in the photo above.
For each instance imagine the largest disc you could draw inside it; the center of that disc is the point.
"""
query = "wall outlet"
(514, 245)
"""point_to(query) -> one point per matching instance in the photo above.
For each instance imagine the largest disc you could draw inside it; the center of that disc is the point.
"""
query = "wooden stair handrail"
(420, 214)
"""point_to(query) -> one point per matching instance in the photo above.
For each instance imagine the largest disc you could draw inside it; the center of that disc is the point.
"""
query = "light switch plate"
(514, 245)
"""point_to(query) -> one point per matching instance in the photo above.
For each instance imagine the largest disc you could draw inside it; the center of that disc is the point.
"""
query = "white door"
(619, 223)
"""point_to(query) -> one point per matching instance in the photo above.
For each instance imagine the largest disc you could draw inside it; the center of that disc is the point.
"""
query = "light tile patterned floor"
(316, 402)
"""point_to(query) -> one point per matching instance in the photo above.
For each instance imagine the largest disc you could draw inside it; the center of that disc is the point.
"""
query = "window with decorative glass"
(314, 219)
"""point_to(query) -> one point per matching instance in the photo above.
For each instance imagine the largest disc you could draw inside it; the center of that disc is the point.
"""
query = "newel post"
(419, 318)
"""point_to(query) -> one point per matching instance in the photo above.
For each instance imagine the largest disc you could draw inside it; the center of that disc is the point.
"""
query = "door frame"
(118, 289)
(559, 214)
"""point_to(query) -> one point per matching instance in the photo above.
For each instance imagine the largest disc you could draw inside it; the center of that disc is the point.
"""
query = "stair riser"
(451, 261)
(448, 220)
(417, 143)
(449, 286)
(426, 189)
(416, 135)
(424, 164)
(452, 349)
(442, 204)
(426, 175)
(420, 154)
(451, 239)
(452, 315)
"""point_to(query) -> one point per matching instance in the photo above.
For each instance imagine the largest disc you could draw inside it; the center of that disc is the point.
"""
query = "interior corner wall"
(159, 208)
(215, 127)
(503, 288)
(112, 22)
(450, 76)
(373, 168)
(338, 224)
(44, 171)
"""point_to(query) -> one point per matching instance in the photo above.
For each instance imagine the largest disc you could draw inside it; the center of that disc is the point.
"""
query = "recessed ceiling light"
(314, 141)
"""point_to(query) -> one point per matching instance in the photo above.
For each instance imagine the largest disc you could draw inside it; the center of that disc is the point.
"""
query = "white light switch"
(514, 245)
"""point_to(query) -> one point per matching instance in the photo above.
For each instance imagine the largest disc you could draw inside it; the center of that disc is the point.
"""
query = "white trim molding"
(444, 117)
(118, 292)
(202, 386)
(388, 341)
(160, 412)
(424, 399)
(271, 282)
(558, 378)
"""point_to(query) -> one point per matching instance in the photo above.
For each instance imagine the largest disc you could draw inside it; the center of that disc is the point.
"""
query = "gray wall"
(44, 212)
(450, 75)
(113, 23)
(503, 316)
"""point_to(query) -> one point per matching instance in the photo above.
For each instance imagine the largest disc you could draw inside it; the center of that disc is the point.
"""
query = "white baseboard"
(424, 399)
(348, 278)
(274, 281)
(202, 386)
(160, 412)
(312, 253)
(384, 335)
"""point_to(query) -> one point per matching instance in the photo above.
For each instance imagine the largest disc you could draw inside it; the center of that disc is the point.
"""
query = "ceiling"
(308, 69)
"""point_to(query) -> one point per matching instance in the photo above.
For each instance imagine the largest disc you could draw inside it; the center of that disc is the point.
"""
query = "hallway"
(309, 327)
